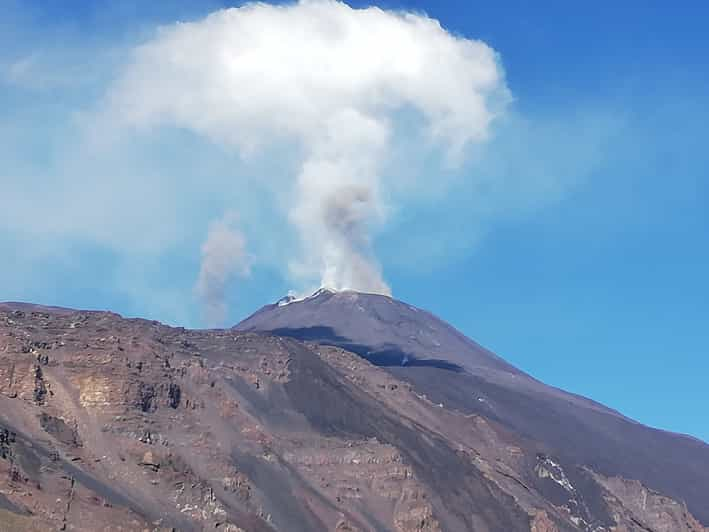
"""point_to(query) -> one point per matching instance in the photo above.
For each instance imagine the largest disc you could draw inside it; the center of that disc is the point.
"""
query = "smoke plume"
(223, 257)
(336, 83)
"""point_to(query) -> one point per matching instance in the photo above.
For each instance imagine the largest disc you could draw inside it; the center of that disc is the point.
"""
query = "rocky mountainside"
(342, 412)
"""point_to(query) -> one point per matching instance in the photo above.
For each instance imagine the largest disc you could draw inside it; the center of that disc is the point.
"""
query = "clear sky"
(582, 257)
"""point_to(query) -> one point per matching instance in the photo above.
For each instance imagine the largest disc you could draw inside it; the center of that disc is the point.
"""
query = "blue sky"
(587, 268)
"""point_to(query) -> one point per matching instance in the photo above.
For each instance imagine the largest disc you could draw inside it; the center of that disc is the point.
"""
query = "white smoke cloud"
(223, 257)
(333, 80)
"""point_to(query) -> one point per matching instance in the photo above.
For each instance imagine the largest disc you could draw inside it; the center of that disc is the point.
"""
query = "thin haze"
(223, 258)
(334, 82)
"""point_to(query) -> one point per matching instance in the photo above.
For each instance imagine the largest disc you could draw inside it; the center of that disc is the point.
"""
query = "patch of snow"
(548, 468)
(286, 300)
(321, 291)
(293, 298)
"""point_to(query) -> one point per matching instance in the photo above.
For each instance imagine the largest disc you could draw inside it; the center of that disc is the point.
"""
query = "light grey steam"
(334, 82)
(223, 257)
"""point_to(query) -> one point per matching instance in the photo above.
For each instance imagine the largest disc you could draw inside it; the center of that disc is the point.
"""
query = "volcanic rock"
(285, 427)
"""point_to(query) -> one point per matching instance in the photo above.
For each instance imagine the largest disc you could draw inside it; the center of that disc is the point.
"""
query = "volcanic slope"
(109, 423)
(437, 360)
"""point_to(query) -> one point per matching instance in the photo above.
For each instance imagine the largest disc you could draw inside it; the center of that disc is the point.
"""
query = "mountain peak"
(326, 292)
(292, 298)
(454, 372)
(384, 330)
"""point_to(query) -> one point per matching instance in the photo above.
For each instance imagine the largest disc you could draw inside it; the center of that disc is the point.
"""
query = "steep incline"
(385, 330)
(450, 369)
(115, 424)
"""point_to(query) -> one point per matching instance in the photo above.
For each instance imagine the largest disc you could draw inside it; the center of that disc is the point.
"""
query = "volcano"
(341, 411)
(457, 373)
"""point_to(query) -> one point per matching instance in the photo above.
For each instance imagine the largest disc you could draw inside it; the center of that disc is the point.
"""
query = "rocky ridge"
(109, 423)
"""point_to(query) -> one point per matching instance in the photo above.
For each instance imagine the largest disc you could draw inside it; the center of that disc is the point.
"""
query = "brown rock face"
(115, 424)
